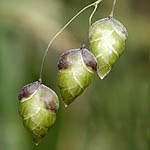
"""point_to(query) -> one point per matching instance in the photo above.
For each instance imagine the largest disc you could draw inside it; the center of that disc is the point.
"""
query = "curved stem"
(113, 8)
(91, 16)
(58, 33)
(90, 20)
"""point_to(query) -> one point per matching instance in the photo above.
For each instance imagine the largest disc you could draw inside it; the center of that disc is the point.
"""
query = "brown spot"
(49, 98)
(28, 90)
(110, 17)
(52, 106)
(89, 59)
(63, 62)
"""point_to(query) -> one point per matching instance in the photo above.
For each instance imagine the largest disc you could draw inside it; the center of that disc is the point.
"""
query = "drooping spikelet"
(76, 70)
(107, 42)
(38, 106)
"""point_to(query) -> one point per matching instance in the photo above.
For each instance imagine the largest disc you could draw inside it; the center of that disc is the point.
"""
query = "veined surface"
(73, 80)
(107, 41)
(37, 117)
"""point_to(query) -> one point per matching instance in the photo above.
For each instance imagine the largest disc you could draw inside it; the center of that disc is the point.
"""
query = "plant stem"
(90, 20)
(91, 16)
(112, 11)
(61, 30)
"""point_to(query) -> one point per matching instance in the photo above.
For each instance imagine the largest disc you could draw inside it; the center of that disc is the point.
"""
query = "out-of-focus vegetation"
(112, 114)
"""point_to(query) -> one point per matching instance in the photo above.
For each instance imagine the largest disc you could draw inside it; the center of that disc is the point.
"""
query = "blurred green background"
(112, 114)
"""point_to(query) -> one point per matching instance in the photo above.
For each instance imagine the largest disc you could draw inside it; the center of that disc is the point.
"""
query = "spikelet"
(38, 106)
(76, 70)
(107, 42)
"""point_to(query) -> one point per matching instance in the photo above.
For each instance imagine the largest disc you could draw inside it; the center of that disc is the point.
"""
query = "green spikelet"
(38, 106)
(107, 42)
(76, 70)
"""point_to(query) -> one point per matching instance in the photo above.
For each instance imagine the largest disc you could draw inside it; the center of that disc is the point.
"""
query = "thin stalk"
(59, 32)
(90, 20)
(113, 8)
(91, 16)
